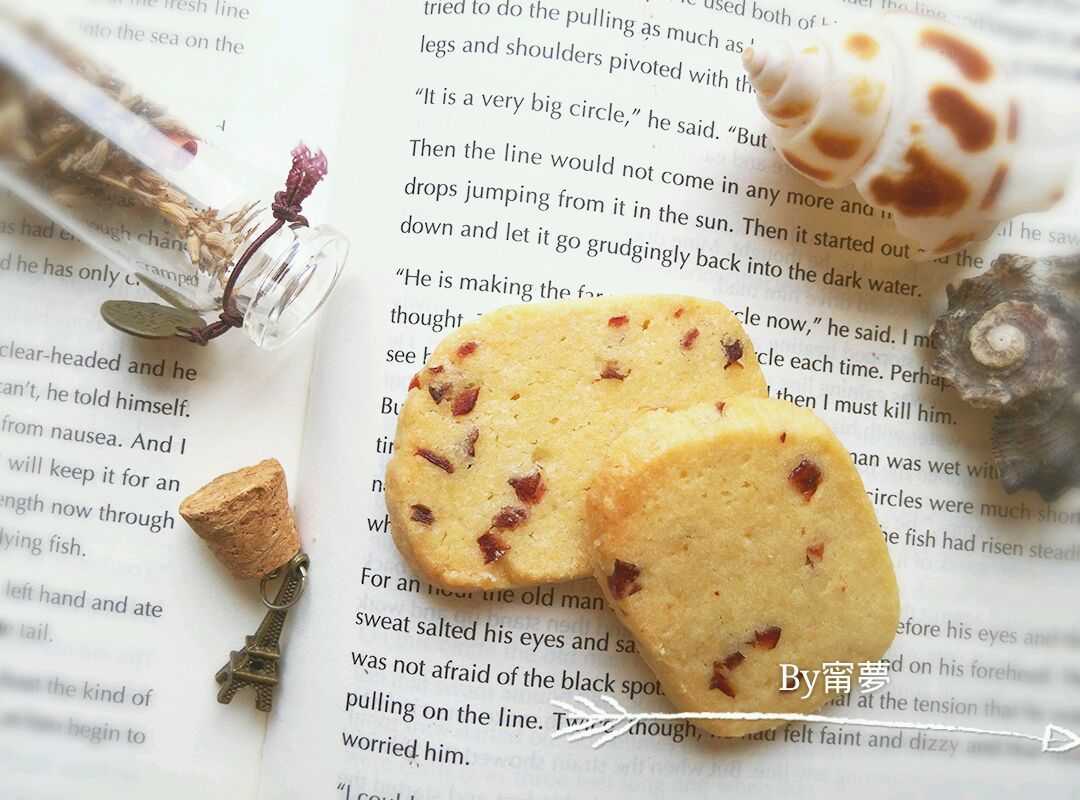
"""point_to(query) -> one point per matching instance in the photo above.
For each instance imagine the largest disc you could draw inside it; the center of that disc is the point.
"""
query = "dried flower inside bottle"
(117, 170)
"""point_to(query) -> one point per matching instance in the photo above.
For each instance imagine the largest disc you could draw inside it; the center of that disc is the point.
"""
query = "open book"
(483, 154)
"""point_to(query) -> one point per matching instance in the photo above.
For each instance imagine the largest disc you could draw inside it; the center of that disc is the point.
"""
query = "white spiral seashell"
(919, 116)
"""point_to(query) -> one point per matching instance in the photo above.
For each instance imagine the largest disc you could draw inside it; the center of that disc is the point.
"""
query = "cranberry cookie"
(502, 431)
(735, 537)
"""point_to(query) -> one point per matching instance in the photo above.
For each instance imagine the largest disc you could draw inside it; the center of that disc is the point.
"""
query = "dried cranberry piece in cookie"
(492, 547)
(623, 581)
(806, 478)
(421, 514)
(720, 680)
(814, 553)
(766, 638)
(733, 352)
(611, 372)
(734, 660)
(442, 462)
(510, 517)
(470, 442)
(529, 488)
(465, 401)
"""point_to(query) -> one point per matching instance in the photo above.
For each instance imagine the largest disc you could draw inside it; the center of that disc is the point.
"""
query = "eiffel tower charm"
(245, 519)
(257, 663)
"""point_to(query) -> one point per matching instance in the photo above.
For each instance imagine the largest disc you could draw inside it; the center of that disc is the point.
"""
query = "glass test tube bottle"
(119, 172)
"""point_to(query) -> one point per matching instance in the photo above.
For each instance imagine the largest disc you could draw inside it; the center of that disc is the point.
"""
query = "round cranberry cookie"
(502, 430)
(737, 537)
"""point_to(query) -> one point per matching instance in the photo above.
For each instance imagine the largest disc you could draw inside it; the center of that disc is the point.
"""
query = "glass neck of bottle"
(287, 278)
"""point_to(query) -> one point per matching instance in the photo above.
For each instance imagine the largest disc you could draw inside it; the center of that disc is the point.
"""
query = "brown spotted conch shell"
(1011, 341)
(918, 114)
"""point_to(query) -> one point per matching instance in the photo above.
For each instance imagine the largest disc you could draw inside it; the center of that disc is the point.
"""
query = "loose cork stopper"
(245, 519)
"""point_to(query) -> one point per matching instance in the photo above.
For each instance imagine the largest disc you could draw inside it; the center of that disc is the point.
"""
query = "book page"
(518, 152)
(114, 617)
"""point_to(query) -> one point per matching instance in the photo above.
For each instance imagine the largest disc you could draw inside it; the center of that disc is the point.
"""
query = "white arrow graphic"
(609, 725)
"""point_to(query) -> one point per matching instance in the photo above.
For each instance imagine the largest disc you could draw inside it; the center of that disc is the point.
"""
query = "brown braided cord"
(307, 170)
